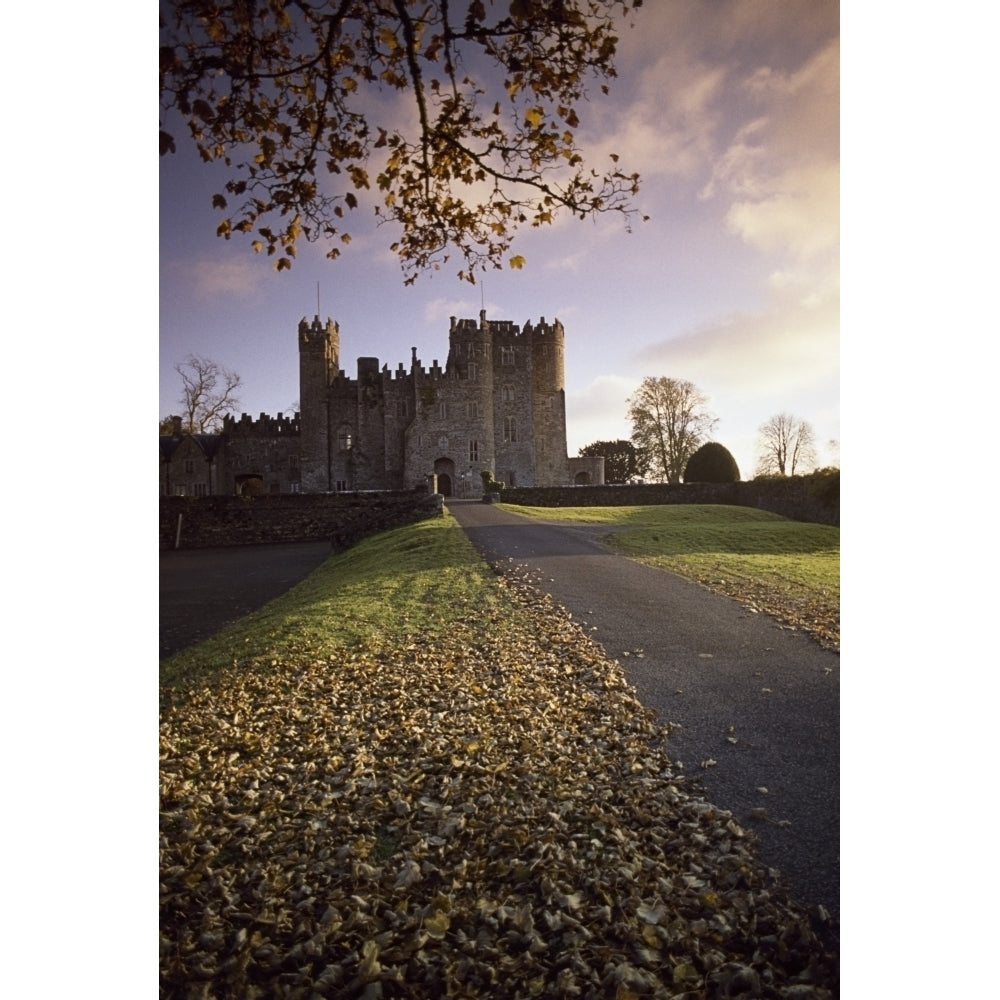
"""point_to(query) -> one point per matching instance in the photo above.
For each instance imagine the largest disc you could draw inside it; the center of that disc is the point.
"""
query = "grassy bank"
(390, 590)
(409, 777)
(788, 569)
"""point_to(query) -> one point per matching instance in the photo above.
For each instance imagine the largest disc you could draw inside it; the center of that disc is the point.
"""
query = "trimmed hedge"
(712, 463)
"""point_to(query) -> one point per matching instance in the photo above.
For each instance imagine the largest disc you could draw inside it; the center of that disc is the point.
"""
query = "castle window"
(472, 370)
(473, 410)
(507, 394)
(473, 451)
(199, 489)
(294, 487)
(344, 439)
(188, 465)
(471, 349)
(401, 408)
(507, 355)
(443, 411)
(341, 485)
(509, 429)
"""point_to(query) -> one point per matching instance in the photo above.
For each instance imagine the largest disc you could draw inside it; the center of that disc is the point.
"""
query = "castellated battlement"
(263, 426)
(506, 328)
(544, 329)
(316, 332)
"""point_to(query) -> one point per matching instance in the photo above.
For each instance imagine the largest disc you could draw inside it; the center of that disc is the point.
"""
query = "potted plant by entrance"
(491, 487)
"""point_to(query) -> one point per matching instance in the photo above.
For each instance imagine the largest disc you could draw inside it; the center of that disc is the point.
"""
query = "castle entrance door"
(249, 486)
(444, 469)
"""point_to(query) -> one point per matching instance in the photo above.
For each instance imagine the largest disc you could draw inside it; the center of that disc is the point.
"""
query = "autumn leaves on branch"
(301, 105)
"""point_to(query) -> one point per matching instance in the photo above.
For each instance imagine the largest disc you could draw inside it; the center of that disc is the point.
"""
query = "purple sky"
(730, 112)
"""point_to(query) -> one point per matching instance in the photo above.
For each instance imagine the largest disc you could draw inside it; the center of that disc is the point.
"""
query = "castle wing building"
(498, 405)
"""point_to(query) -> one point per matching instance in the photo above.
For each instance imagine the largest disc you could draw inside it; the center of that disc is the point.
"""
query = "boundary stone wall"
(814, 498)
(339, 518)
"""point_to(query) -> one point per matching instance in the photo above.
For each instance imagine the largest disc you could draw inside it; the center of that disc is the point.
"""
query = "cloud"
(209, 278)
(780, 171)
(665, 128)
(743, 100)
(597, 412)
(443, 309)
(783, 349)
(567, 262)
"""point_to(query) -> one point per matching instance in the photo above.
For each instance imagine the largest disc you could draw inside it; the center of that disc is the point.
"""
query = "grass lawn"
(788, 569)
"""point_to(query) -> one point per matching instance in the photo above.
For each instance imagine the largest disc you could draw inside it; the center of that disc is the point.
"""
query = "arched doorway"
(249, 486)
(582, 479)
(444, 469)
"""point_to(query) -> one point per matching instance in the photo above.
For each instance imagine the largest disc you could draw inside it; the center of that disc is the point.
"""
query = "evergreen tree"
(622, 460)
(712, 463)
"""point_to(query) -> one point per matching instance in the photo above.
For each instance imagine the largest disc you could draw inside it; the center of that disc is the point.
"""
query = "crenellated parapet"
(545, 330)
(263, 426)
(318, 333)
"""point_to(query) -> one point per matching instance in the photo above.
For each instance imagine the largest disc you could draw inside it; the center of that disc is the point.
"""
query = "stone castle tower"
(498, 405)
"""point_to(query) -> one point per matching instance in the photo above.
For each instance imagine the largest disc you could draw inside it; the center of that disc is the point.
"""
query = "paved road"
(201, 590)
(760, 701)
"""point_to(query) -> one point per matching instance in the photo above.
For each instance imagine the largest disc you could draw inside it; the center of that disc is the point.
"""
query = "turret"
(549, 401)
(319, 359)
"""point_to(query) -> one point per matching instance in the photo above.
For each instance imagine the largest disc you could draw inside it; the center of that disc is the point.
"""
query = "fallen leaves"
(491, 815)
(817, 616)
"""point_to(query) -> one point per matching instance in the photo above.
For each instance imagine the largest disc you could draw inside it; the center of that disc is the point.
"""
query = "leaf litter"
(488, 814)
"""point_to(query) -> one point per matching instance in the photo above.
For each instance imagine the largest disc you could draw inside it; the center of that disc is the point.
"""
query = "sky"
(729, 111)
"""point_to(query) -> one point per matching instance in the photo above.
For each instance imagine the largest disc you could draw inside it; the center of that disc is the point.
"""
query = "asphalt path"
(202, 590)
(754, 707)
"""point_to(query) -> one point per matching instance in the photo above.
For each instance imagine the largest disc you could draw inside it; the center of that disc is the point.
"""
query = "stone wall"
(814, 498)
(339, 518)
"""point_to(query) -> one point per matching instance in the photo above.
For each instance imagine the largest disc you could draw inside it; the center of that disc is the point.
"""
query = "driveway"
(202, 590)
(756, 707)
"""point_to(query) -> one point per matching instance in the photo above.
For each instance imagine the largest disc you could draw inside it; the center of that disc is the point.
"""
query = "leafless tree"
(669, 422)
(209, 394)
(785, 445)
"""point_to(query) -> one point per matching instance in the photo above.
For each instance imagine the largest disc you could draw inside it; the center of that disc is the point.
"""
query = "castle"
(498, 406)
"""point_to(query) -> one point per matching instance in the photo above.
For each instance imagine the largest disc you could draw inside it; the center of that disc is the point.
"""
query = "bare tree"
(669, 422)
(785, 445)
(209, 394)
